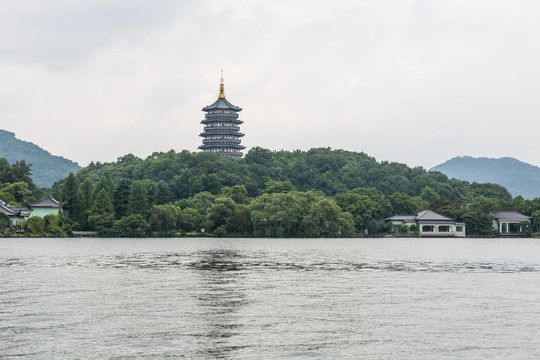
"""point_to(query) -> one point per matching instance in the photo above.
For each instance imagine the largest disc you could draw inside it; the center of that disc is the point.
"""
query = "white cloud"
(410, 81)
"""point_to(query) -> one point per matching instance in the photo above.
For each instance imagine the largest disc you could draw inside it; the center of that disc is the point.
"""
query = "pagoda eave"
(233, 133)
(223, 146)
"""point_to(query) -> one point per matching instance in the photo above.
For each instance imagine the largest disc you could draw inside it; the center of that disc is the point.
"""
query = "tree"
(237, 193)
(4, 222)
(19, 190)
(162, 193)
(105, 183)
(138, 199)
(35, 225)
(188, 220)
(323, 217)
(130, 226)
(162, 218)
(53, 225)
(361, 207)
(258, 155)
(121, 197)
(308, 214)
(7, 198)
(6, 175)
(101, 215)
(71, 198)
(403, 203)
(219, 212)
(200, 202)
(21, 171)
(536, 220)
(86, 195)
(239, 222)
(273, 186)
(478, 223)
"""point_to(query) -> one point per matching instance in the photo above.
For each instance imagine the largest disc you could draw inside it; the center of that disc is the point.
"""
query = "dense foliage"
(320, 192)
(518, 177)
(16, 185)
(185, 174)
(47, 168)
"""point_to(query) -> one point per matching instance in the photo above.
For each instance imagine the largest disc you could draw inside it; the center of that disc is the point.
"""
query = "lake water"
(269, 298)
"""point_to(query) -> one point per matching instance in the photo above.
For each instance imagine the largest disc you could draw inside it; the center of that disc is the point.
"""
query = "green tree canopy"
(138, 199)
(4, 221)
(101, 214)
(130, 226)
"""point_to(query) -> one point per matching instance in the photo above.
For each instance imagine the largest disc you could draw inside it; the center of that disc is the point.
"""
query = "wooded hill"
(323, 169)
(320, 192)
(518, 177)
(46, 168)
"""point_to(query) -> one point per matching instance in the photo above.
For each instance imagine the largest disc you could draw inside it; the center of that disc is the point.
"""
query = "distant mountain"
(46, 168)
(518, 177)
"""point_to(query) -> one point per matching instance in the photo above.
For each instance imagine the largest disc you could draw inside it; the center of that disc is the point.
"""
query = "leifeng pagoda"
(221, 127)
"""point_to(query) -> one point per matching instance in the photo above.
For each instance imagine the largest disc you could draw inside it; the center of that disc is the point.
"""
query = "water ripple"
(222, 299)
(225, 262)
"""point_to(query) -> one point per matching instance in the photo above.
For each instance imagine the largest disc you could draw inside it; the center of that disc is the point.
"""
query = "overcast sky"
(416, 82)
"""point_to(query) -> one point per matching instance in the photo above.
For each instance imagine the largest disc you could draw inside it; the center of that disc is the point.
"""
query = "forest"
(47, 168)
(316, 193)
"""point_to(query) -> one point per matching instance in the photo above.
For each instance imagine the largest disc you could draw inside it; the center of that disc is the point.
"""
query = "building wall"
(452, 229)
(17, 220)
(42, 212)
(400, 225)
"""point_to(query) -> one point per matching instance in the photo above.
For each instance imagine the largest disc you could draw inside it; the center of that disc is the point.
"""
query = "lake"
(269, 298)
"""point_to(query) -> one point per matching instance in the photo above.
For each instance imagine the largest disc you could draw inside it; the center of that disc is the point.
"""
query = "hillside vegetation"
(320, 192)
(518, 177)
(46, 168)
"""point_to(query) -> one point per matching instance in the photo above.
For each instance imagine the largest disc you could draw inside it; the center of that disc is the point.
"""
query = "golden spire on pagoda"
(222, 87)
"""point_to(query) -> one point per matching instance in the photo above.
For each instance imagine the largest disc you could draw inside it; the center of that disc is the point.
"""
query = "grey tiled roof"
(6, 210)
(223, 146)
(12, 210)
(48, 202)
(401, 218)
(511, 215)
(222, 103)
(425, 216)
(428, 215)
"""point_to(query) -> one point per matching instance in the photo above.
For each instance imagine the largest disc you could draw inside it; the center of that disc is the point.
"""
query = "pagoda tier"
(221, 131)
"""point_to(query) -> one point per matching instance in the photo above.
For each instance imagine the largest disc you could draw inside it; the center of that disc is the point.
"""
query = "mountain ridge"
(520, 178)
(46, 168)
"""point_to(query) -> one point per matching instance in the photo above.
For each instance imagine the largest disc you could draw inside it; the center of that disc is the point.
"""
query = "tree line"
(320, 192)
(16, 185)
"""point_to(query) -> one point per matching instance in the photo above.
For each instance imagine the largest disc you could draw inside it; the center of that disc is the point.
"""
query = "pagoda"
(221, 127)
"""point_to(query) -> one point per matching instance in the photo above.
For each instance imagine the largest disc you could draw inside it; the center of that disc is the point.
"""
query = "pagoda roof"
(222, 103)
(48, 202)
(217, 132)
(221, 119)
(220, 145)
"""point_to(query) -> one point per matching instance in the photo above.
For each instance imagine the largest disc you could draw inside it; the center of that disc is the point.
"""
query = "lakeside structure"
(509, 222)
(222, 127)
(429, 223)
(18, 215)
(47, 206)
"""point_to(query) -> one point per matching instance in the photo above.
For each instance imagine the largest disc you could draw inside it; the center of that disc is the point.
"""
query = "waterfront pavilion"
(509, 222)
